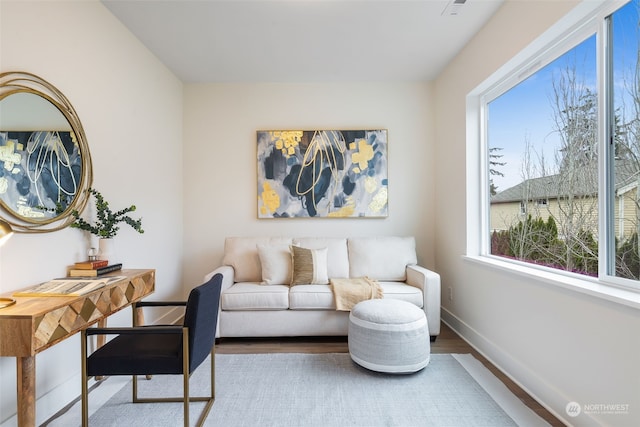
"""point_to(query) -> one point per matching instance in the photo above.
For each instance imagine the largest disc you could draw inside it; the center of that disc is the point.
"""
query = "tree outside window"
(544, 188)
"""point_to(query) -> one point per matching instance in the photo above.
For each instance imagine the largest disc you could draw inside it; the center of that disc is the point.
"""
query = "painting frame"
(322, 173)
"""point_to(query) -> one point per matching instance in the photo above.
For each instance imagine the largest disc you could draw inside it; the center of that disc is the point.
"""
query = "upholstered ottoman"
(387, 335)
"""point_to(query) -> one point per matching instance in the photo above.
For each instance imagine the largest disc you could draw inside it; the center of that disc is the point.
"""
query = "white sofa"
(257, 300)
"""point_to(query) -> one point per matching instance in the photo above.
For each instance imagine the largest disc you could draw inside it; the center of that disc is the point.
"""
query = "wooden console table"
(34, 324)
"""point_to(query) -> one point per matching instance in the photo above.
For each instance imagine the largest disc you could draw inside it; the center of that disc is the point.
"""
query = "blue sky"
(525, 112)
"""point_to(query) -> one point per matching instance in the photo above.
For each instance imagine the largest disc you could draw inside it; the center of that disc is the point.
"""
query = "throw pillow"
(309, 266)
(275, 261)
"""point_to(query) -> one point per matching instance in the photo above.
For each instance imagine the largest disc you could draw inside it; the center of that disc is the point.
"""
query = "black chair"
(159, 350)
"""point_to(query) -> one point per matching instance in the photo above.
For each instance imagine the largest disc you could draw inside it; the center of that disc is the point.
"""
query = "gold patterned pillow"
(309, 266)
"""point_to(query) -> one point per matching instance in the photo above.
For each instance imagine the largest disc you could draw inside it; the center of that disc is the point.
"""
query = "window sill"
(595, 287)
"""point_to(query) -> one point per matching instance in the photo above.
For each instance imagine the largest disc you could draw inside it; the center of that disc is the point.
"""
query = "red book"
(91, 265)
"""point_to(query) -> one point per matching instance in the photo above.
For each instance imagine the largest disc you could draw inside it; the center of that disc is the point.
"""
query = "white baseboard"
(511, 367)
(58, 398)
(49, 404)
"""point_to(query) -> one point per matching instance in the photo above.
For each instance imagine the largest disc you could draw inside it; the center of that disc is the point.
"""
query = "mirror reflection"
(45, 166)
(42, 167)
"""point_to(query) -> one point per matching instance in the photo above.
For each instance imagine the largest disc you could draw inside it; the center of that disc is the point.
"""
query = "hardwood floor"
(448, 342)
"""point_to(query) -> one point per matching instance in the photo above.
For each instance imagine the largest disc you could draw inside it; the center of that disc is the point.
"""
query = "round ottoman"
(387, 335)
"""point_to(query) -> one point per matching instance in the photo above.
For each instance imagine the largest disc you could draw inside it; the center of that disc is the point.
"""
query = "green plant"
(106, 225)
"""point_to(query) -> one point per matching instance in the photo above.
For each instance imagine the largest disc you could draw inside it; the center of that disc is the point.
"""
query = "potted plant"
(106, 225)
(107, 222)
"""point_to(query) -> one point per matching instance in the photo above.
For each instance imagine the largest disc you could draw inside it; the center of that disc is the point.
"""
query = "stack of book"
(93, 268)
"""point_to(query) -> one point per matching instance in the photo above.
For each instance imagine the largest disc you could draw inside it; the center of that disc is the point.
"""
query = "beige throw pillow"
(309, 266)
(275, 261)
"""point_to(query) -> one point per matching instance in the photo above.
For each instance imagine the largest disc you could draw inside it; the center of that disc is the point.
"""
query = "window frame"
(585, 20)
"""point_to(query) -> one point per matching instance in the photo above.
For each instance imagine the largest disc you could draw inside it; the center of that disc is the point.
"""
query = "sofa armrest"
(228, 276)
(429, 282)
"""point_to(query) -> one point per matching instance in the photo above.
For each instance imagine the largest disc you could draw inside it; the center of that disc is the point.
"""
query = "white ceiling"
(303, 40)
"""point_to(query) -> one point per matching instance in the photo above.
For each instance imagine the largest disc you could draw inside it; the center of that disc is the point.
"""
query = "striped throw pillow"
(309, 266)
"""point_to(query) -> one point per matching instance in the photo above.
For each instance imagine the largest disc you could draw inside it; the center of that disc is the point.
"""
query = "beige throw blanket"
(349, 292)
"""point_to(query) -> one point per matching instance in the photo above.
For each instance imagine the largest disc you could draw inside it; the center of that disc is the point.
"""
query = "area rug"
(291, 389)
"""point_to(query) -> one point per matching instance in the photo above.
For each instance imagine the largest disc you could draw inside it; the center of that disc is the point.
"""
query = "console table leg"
(26, 390)
(138, 320)
(101, 339)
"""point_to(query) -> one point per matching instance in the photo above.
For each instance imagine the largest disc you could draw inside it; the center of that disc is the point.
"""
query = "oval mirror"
(45, 164)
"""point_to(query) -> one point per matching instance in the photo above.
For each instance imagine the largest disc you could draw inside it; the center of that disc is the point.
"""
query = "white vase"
(106, 250)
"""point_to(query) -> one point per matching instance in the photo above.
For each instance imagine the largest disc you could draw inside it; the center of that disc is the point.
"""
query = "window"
(624, 140)
(561, 145)
(543, 136)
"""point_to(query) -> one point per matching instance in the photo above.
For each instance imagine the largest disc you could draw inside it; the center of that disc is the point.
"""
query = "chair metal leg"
(185, 375)
(134, 389)
(212, 398)
(138, 320)
(186, 399)
(85, 391)
(213, 372)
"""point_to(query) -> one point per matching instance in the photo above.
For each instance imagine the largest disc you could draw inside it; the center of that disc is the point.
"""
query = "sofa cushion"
(254, 296)
(337, 256)
(242, 254)
(402, 291)
(311, 297)
(275, 263)
(320, 297)
(309, 266)
(381, 258)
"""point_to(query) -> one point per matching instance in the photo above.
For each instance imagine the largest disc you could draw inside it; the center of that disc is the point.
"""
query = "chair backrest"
(201, 317)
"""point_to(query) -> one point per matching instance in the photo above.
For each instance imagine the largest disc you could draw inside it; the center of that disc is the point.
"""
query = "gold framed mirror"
(45, 163)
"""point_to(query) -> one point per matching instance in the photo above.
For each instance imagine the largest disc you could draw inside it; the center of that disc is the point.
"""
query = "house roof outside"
(546, 187)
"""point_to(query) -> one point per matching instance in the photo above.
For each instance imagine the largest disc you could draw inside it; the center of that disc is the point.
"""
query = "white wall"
(560, 345)
(220, 155)
(131, 109)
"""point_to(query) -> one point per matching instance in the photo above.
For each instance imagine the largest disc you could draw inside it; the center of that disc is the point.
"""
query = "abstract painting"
(322, 173)
(39, 170)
